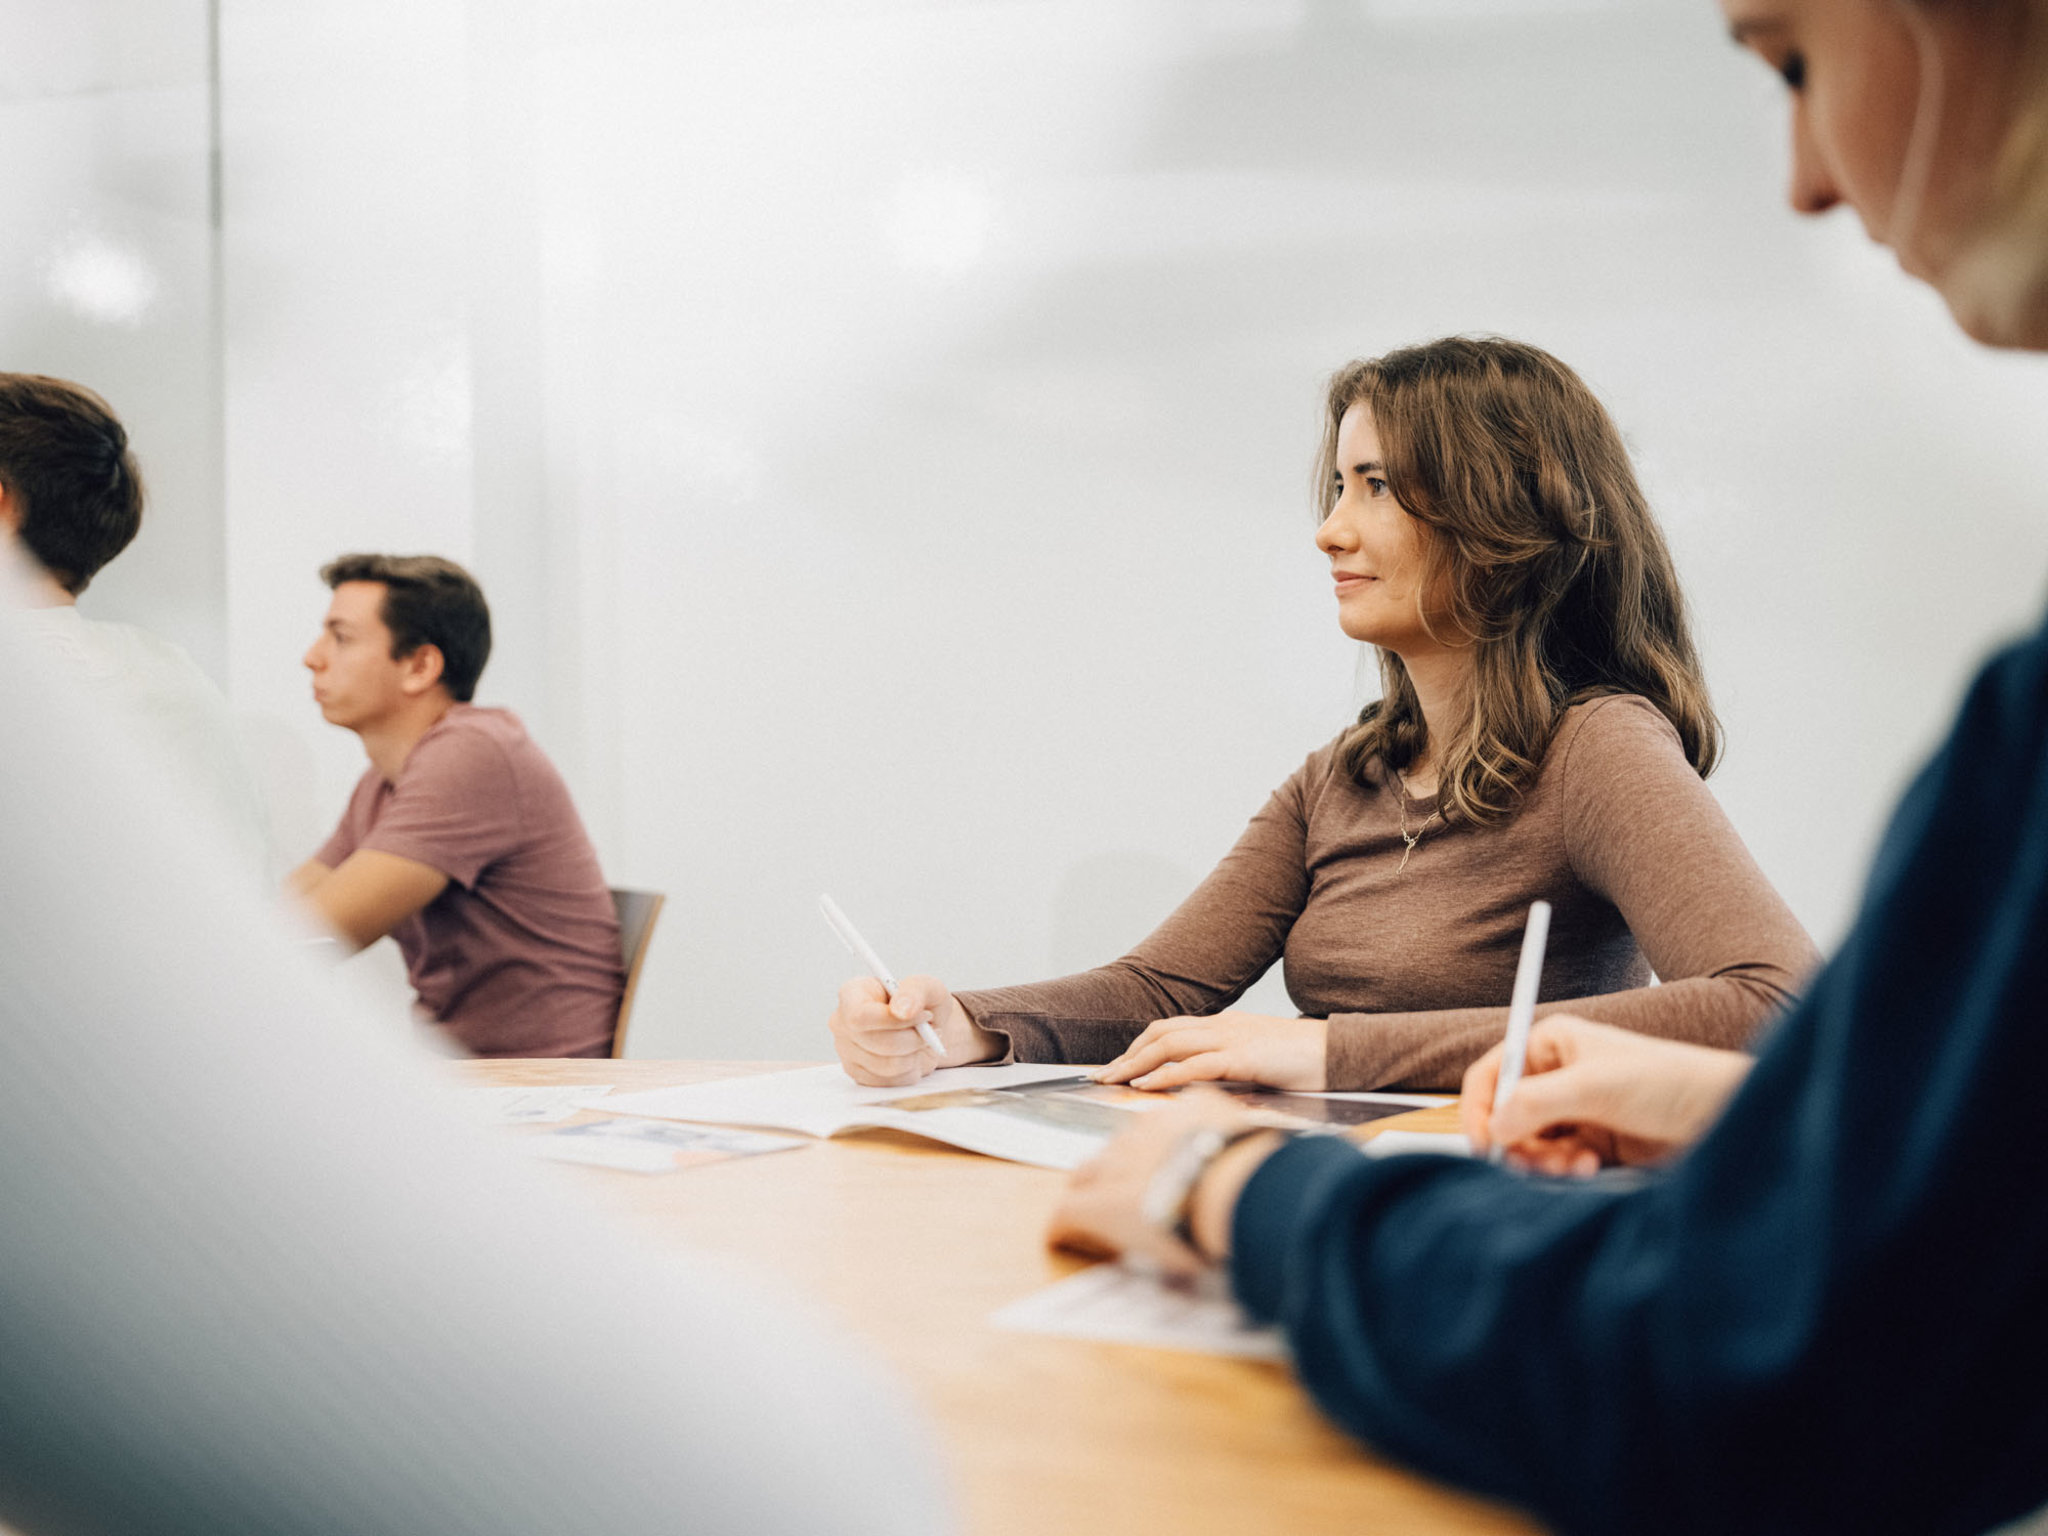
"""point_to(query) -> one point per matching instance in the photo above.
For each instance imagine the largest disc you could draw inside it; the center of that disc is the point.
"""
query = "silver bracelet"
(1168, 1197)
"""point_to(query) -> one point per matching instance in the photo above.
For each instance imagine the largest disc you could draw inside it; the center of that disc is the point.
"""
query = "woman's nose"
(1813, 188)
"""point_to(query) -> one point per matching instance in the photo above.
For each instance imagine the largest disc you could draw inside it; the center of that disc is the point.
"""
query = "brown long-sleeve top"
(1413, 967)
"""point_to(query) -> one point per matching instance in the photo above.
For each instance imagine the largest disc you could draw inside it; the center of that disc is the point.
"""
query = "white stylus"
(1521, 1010)
(850, 937)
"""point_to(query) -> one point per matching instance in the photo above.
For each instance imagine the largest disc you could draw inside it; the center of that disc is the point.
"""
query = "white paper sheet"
(1056, 1130)
(653, 1146)
(822, 1101)
(1443, 1143)
(533, 1106)
(1118, 1306)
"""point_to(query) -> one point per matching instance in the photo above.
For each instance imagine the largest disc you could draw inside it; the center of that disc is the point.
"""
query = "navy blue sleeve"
(1831, 1316)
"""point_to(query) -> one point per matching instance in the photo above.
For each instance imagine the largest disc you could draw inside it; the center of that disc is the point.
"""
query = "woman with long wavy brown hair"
(1830, 1311)
(1540, 556)
(1543, 733)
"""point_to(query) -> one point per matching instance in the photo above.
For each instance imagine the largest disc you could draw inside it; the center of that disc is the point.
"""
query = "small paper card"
(1123, 1306)
(533, 1106)
(651, 1146)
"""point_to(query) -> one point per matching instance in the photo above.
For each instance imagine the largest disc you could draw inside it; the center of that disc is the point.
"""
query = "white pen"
(850, 937)
(1521, 1010)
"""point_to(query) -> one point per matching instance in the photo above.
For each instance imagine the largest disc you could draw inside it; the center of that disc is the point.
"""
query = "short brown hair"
(65, 462)
(427, 601)
(1538, 544)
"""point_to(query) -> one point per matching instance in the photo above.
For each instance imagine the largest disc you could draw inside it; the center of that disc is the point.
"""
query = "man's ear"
(423, 668)
(10, 513)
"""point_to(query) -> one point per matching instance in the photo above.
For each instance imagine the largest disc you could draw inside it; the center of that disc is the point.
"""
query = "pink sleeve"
(455, 807)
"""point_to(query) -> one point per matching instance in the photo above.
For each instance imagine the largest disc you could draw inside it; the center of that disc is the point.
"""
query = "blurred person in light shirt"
(71, 499)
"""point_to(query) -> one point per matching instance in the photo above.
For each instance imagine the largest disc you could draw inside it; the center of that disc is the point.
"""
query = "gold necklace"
(1409, 839)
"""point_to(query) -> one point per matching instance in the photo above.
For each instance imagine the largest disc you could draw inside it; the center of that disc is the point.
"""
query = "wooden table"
(913, 1245)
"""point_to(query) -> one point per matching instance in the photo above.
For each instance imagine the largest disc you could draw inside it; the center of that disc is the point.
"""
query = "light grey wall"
(884, 426)
(347, 393)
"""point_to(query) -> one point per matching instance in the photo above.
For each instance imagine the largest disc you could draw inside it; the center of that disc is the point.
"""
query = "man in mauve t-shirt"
(460, 841)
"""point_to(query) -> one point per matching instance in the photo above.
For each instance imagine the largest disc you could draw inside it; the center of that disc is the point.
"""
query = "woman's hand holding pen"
(1594, 1094)
(877, 1037)
(1233, 1047)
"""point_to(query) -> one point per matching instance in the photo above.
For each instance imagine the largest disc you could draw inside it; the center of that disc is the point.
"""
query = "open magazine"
(1051, 1116)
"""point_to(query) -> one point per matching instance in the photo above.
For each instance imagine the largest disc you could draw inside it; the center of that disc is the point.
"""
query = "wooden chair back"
(637, 911)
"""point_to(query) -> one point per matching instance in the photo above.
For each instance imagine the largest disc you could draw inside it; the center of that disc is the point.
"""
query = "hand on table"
(877, 1038)
(1102, 1213)
(1593, 1094)
(1239, 1047)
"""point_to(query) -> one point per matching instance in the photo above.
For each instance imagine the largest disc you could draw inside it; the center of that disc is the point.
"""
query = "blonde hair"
(1538, 545)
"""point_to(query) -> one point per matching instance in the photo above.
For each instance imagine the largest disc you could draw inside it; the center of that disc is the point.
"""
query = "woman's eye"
(1793, 71)
(1376, 485)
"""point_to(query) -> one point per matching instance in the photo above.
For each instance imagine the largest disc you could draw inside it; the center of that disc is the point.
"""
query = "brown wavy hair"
(1539, 550)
